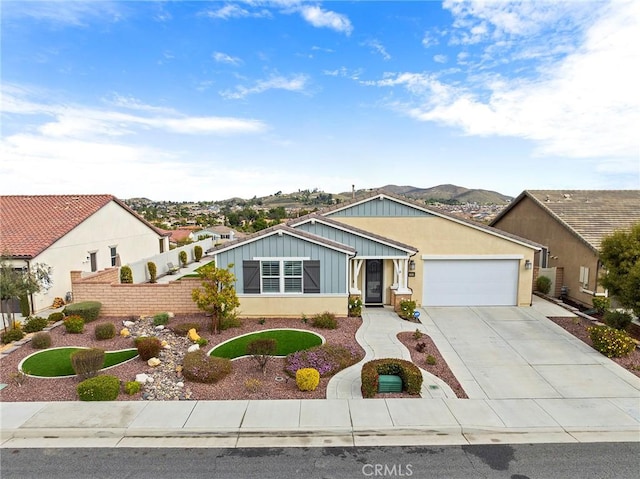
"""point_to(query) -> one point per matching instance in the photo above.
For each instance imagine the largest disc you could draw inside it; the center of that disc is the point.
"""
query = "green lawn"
(52, 363)
(289, 341)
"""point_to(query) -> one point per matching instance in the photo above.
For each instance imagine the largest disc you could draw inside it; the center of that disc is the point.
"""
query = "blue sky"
(210, 100)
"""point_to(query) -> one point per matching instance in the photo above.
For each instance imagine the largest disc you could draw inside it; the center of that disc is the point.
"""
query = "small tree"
(261, 350)
(197, 253)
(153, 272)
(217, 296)
(183, 258)
(20, 282)
(620, 255)
(126, 275)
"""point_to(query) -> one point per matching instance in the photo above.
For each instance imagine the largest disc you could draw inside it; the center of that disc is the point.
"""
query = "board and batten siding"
(376, 207)
(364, 246)
(333, 264)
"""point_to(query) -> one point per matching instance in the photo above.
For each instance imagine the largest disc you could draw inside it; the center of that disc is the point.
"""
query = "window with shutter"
(251, 277)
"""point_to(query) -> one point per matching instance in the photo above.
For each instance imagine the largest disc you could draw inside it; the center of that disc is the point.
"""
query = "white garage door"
(470, 282)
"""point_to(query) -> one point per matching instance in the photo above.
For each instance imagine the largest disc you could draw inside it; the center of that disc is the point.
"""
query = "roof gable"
(588, 214)
(30, 224)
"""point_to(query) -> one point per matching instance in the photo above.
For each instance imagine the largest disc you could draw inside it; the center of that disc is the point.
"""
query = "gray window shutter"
(311, 275)
(251, 277)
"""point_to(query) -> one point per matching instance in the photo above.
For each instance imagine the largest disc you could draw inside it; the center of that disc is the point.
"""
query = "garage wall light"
(527, 264)
(412, 265)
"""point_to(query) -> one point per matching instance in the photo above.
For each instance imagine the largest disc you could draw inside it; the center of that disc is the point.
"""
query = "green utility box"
(389, 383)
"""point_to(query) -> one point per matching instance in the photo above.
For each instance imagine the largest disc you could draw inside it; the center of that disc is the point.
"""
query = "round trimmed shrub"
(182, 255)
(87, 362)
(126, 275)
(132, 387)
(199, 367)
(197, 253)
(543, 284)
(105, 331)
(74, 324)
(325, 320)
(10, 335)
(33, 324)
(617, 319)
(153, 271)
(87, 310)
(148, 347)
(55, 317)
(99, 388)
(41, 340)
(307, 379)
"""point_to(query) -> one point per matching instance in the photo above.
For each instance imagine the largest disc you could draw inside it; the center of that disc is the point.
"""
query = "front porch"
(380, 281)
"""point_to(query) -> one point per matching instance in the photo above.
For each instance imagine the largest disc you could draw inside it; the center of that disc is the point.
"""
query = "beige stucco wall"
(529, 220)
(291, 306)
(109, 226)
(440, 236)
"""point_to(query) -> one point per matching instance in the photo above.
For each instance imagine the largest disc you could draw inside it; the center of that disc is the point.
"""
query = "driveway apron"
(514, 353)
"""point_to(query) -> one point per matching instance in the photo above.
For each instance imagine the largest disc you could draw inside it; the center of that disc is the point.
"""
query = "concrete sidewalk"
(338, 422)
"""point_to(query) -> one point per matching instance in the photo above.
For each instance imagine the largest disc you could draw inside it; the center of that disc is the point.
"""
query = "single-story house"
(73, 233)
(382, 248)
(220, 233)
(570, 224)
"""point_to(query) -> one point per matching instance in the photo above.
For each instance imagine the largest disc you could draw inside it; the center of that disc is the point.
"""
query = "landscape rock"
(153, 362)
(193, 347)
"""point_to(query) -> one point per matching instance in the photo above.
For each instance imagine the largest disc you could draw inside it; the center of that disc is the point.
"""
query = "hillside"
(447, 193)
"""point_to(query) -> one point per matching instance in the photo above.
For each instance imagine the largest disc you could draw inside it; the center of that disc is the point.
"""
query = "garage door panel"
(477, 282)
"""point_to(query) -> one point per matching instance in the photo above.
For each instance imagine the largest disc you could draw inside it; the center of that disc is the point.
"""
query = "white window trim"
(282, 276)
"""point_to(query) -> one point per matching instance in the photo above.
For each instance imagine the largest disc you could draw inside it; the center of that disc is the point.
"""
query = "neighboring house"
(180, 236)
(383, 248)
(73, 233)
(220, 234)
(570, 224)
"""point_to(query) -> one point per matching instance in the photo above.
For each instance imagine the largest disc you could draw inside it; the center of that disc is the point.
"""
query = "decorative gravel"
(245, 382)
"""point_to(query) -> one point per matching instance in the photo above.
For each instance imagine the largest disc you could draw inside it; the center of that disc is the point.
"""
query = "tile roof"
(30, 224)
(589, 214)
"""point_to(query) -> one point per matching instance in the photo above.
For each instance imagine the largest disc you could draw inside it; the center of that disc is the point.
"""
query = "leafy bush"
(87, 362)
(417, 334)
(74, 324)
(355, 306)
(126, 275)
(41, 340)
(307, 379)
(407, 307)
(153, 271)
(325, 320)
(55, 317)
(199, 367)
(25, 307)
(327, 359)
(431, 360)
(202, 342)
(105, 331)
(543, 284)
(261, 351)
(10, 335)
(160, 319)
(197, 253)
(611, 342)
(617, 319)
(33, 324)
(148, 347)
(420, 347)
(132, 387)
(183, 258)
(99, 388)
(183, 328)
(601, 304)
(231, 321)
(87, 310)
(408, 372)
(253, 385)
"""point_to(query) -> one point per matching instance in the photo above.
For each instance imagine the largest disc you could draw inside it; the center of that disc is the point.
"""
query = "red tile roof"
(30, 224)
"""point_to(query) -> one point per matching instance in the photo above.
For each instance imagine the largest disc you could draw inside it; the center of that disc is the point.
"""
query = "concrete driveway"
(514, 353)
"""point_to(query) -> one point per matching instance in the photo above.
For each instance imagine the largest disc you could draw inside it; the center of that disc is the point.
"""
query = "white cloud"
(66, 13)
(233, 10)
(224, 58)
(440, 58)
(376, 46)
(296, 83)
(429, 40)
(326, 19)
(584, 106)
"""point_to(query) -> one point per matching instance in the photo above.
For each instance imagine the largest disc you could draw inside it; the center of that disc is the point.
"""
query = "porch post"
(401, 267)
(356, 266)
